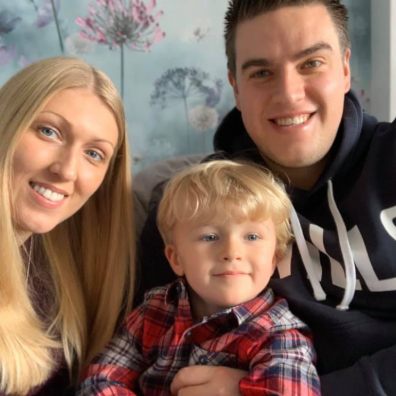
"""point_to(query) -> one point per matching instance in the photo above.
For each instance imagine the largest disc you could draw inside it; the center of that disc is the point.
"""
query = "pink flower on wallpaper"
(122, 22)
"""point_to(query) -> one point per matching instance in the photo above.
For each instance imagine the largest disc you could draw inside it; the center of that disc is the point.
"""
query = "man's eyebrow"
(264, 62)
(321, 45)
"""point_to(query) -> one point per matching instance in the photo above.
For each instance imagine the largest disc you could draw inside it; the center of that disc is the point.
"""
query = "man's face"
(291, 78)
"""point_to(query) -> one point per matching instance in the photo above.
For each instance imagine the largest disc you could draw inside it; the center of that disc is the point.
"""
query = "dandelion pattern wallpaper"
(165, 56)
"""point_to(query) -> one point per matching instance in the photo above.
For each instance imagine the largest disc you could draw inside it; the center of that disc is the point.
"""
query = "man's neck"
(303, 178)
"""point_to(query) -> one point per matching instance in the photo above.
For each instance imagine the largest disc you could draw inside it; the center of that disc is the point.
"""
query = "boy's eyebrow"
(264, 62)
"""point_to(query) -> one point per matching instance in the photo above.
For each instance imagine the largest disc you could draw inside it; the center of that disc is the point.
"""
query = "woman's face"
(61, 160)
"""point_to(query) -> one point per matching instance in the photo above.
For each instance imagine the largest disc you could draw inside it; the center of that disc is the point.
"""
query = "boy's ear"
(173, 259)
(277, 258)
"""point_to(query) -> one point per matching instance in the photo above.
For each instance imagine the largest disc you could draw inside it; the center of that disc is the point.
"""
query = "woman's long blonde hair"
(90, 256)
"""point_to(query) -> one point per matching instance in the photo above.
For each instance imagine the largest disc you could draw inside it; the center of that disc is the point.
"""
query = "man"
(288, 64)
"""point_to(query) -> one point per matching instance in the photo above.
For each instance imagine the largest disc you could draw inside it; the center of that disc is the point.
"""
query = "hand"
(207, 380)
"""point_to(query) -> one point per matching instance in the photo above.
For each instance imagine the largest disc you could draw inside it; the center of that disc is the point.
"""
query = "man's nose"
(289, 86)
(66, 165)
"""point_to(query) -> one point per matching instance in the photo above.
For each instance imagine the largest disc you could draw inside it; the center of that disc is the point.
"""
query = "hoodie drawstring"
(346, 252)
(318, 291)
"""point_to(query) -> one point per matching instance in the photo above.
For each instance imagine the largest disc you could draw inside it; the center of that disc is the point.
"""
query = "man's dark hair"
(242, 10)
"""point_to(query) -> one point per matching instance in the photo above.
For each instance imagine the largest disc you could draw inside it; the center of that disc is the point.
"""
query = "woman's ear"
(173, 259)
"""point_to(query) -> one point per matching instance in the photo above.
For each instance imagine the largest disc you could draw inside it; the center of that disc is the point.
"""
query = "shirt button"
(203, 360)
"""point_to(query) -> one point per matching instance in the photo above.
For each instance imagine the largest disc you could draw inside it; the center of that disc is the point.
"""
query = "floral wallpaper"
(165, 56)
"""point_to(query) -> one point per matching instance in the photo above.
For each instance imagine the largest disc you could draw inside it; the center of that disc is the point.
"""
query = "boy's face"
(225, 262)
(291, 78)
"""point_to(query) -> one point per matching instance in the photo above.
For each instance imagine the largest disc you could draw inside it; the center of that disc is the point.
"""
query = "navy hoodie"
(341, 279)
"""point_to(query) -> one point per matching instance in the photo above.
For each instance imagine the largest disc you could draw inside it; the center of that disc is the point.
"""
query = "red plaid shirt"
(158, 338)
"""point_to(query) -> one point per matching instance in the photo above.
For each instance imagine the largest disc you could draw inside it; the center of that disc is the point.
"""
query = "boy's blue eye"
(210, 237)
(252, 237)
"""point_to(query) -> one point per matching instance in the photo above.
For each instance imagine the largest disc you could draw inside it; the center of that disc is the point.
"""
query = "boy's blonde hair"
(223, 189)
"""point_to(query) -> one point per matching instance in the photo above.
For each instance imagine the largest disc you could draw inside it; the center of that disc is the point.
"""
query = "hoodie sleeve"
(373, 375)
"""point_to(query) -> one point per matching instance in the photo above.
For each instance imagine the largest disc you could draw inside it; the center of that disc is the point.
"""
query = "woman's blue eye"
(48, 132)
(93, 154)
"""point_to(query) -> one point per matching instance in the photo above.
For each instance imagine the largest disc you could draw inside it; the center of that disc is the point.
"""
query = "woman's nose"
(66, 166)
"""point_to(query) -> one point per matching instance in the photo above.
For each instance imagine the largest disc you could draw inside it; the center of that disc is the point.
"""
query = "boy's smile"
(225, 263)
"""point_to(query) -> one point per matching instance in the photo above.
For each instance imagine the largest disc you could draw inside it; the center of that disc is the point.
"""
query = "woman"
(66, 240)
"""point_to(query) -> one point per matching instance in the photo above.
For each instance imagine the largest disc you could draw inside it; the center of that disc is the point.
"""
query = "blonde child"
(225, 226)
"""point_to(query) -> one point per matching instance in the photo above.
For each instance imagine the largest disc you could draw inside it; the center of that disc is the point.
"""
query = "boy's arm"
(117, 369)
(282, 366)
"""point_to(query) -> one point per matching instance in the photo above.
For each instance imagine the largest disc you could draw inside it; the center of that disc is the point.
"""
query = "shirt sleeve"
(282, 365)
(117, 369)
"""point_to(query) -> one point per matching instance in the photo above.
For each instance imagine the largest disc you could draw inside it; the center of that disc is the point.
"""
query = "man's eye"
(95, 155)
(253, 237)
(209, 237)
(260, 74)
(312, 64)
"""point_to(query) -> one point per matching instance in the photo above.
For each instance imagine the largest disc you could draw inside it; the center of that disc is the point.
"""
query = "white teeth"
(292, 120)
(47, 193)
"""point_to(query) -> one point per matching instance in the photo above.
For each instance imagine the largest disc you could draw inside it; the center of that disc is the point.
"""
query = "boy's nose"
(231, 251)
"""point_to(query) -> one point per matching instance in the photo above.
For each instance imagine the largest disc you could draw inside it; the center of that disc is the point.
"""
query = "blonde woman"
(66, 240)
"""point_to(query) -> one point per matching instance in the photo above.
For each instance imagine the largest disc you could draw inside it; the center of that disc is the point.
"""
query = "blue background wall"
(177, 92)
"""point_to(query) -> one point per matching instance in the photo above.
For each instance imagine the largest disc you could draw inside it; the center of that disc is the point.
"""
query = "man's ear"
(233, 82)
(173, 259)
(347, 69)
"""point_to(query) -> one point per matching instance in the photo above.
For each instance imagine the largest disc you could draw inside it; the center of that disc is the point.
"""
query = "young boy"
(225, 226)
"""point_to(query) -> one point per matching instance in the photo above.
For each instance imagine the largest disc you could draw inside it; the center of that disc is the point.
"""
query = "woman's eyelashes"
(95, 155)
(49, 132)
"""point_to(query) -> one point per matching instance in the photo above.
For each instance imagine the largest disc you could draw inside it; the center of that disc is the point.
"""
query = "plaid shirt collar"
(177, 297)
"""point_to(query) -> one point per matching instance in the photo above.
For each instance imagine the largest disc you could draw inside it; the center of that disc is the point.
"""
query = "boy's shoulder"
(156, 294)
(282, 317)
(277, 316)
